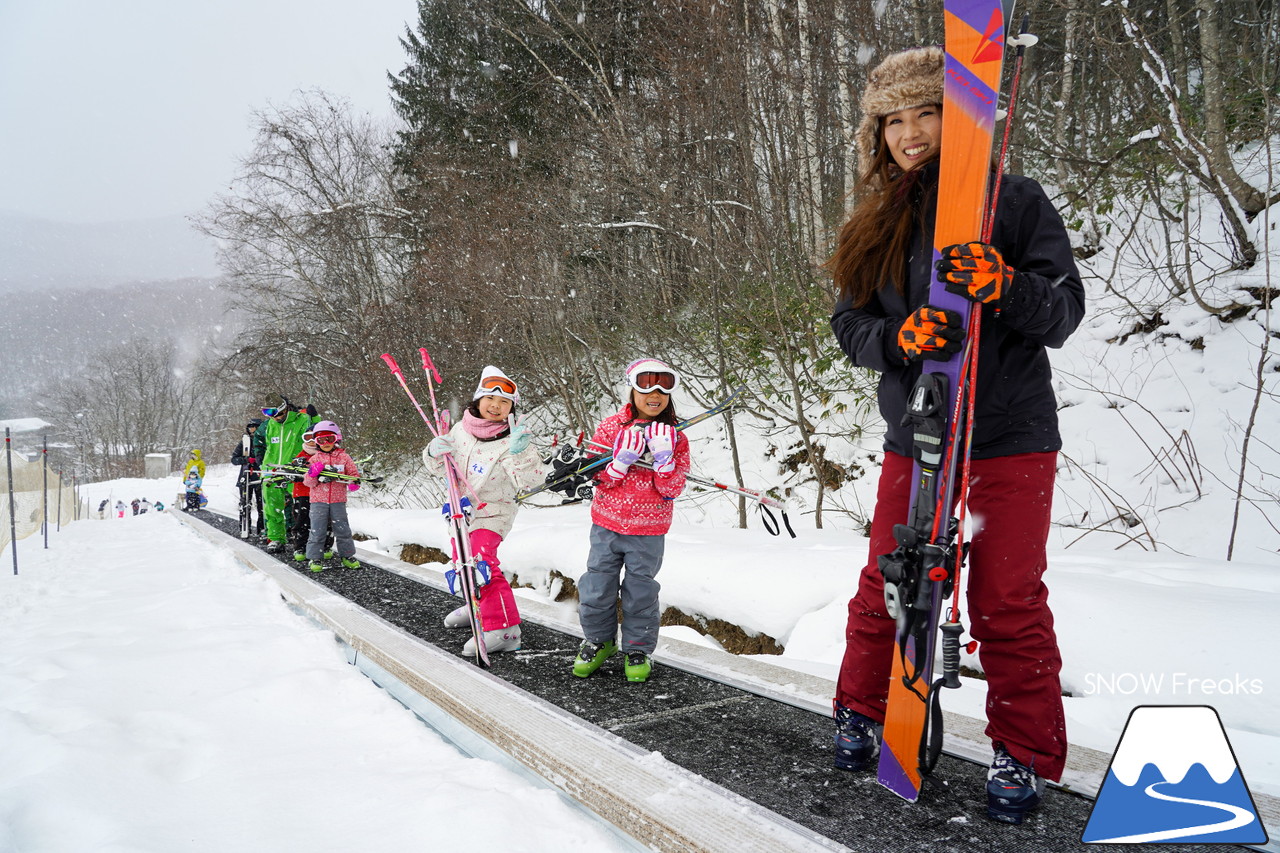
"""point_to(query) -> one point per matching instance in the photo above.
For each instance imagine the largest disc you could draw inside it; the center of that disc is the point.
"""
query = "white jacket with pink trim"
(493, 474)
(640, 504)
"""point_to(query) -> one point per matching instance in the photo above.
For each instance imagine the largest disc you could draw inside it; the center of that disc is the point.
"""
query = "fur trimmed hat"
(903, 80)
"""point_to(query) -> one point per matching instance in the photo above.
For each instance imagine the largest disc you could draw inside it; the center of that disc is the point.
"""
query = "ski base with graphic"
(975, 31)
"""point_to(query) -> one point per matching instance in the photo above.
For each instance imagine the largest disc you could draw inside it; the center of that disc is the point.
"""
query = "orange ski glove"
(975, 271)
(930, 333)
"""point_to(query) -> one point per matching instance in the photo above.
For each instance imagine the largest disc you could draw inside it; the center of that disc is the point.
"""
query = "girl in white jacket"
(498, 461)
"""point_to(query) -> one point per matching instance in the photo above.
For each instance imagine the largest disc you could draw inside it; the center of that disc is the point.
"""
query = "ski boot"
(299, 556)
(328, 555)
(274, 547)
(637, 667)
(1013, 789)
(499, 640)
(351, 562)
(591, 656)
(316, 566)
(459, 618)
(856, 741)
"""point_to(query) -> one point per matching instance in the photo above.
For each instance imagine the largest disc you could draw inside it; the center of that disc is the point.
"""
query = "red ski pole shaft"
(430, 369)
(442, 423)
(1023, 40)
(969, 375)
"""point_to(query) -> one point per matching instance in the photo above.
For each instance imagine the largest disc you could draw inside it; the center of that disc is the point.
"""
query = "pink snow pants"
(497, 601)
(1009, 503)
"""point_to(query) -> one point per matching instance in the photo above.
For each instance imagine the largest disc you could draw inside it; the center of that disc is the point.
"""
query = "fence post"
(61, 489)
(13, 518)
(44, 511)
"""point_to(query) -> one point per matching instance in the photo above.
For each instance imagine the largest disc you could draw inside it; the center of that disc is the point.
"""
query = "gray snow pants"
(598, 589)
(322, 515)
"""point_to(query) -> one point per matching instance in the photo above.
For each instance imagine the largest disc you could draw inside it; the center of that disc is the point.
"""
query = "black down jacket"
(1015, 411)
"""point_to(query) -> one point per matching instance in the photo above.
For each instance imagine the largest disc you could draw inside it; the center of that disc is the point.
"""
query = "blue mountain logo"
(1174, 777)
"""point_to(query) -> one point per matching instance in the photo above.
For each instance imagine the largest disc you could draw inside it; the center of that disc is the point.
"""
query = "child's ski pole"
(765, 502)
(455, 512)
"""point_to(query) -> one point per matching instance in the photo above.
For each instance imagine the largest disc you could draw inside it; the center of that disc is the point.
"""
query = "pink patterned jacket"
(640, 503)
(331, 492)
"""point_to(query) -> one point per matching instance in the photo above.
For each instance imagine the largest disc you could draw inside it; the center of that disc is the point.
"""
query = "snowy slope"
(156, 695)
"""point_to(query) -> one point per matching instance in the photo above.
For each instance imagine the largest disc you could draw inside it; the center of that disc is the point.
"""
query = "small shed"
(158, 465)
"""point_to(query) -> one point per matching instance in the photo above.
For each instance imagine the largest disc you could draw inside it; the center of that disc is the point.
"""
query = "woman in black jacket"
(1026, 284)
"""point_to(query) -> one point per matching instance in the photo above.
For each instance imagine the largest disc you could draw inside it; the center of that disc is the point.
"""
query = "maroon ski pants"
(1008, 606)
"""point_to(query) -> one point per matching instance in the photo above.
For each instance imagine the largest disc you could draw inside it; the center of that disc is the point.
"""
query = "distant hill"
(39, 253)
(48, 333)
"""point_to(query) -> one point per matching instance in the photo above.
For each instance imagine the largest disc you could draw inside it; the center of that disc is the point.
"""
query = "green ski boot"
(351, 562)
(316, 567)
(591, 656)
(638, 666)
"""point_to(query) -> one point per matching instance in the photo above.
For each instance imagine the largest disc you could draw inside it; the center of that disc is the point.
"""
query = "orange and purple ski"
(921, 571)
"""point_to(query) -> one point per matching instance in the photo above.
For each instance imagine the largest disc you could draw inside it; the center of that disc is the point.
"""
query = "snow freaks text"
(1176, 683)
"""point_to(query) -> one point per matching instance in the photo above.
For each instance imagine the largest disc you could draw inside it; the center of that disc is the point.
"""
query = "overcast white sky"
(133, 109)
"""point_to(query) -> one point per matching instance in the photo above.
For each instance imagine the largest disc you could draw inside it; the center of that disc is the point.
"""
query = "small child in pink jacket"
(630, 515)
(329, 496)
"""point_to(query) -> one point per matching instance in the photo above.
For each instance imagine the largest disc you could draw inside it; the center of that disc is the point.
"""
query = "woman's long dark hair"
(873, 245)
(666, 416)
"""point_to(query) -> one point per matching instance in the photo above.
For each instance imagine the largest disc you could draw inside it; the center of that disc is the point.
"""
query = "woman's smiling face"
(913, 136)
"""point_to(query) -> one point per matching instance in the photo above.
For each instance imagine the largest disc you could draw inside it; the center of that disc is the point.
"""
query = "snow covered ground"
(157, 695)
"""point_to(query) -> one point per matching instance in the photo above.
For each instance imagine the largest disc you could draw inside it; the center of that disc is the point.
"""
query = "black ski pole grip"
(787, 522)
(951, 632)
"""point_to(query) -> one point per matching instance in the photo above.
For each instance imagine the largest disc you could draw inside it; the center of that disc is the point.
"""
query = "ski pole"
(395, 370)
(1022, 41)
(765, 502)
(459, 523)
(442, 420)
(429, 367)
(969, 371)
(441, 426)
(951, 632)
(758, 497)
(457, 518)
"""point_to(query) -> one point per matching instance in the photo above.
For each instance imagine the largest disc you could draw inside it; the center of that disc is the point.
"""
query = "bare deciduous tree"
(134, 399)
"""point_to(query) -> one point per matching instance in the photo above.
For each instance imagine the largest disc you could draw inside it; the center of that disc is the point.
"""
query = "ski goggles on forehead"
(652, 380)
(498, 383)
